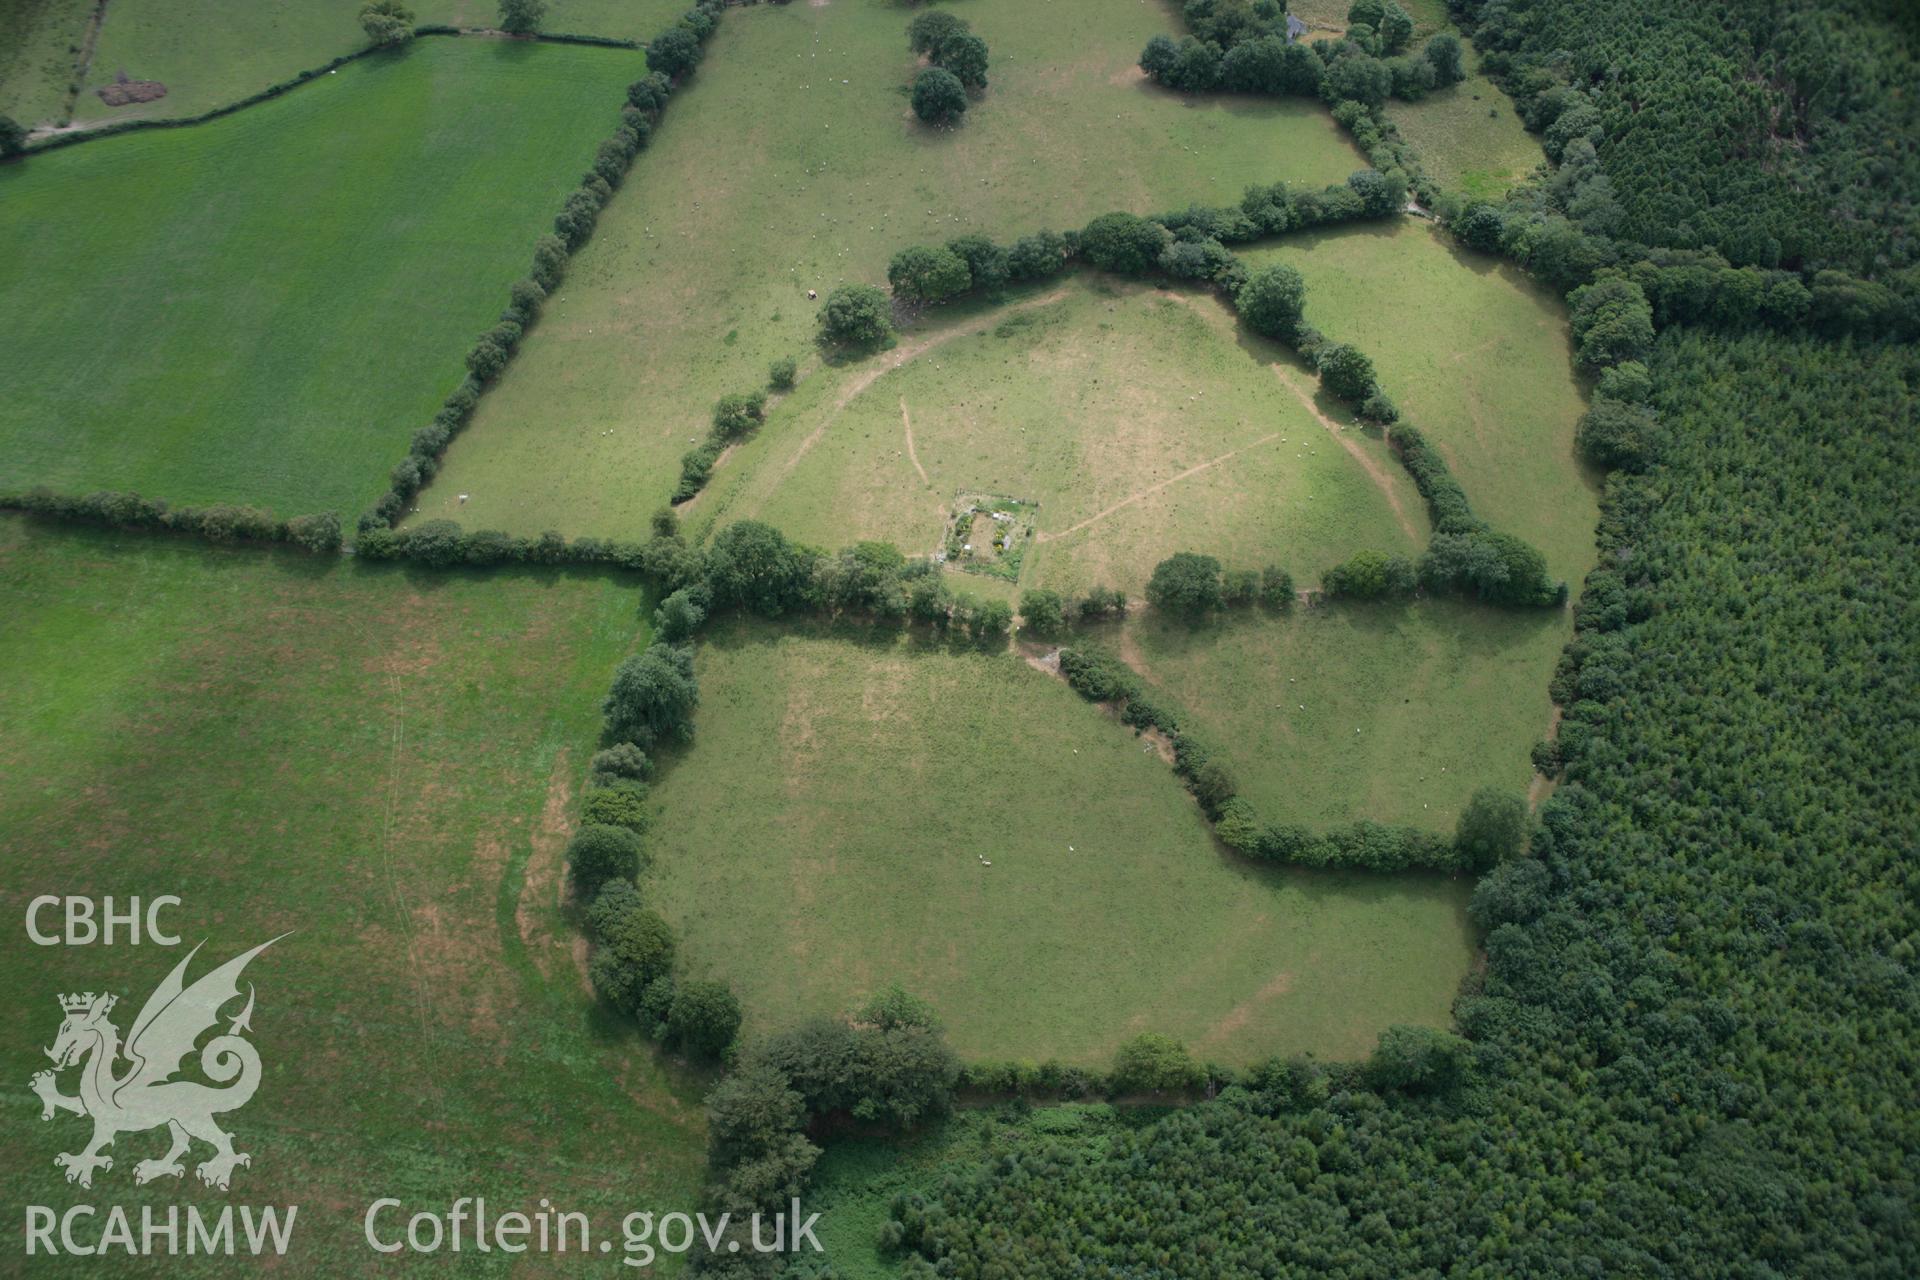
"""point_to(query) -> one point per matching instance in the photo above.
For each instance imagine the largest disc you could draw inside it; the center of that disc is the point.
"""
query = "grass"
(1469, 137)
(263, 308)
(1362, 711)
(1477, 356)
(211, 52)
(792, 162)
(1141, 422)
(824, 837)
(383, 763)
(37, 59)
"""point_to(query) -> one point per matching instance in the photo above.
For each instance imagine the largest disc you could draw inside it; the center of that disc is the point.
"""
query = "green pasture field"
(824, 836)
(1469, 137)
(212, 52)
(264, 308)
(1340, 712)
(1477, 356)
(1141, 421)
(384, 763)
(38, 55)
(792, 162)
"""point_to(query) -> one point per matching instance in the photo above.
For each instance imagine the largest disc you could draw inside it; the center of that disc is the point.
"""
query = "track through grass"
(1477, 356)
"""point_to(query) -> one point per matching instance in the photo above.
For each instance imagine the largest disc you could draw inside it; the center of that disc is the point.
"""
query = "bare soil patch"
(544, 885)
(124, 92)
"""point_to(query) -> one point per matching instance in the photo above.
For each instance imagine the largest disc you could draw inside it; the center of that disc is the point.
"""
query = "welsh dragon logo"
(144, 1095)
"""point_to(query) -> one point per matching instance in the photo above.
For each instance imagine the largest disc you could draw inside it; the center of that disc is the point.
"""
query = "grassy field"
(1477, 356)
(264, 308)
(824, 836)
(38, 54)
(792, 163)
(1140, 421)
(383, 763)
(211, 52)
(1468, 135)
(1384, 712)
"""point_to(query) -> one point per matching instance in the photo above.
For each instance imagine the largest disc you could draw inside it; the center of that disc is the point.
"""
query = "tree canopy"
(938, 96)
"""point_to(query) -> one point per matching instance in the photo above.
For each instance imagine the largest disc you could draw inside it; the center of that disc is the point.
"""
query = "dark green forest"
(1777, 134)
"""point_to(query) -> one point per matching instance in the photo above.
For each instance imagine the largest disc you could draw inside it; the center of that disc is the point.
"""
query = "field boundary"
(84, 63)
(63, 136)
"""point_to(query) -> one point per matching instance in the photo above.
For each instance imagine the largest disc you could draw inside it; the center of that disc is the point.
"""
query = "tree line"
(1700, 991)
(671, 56)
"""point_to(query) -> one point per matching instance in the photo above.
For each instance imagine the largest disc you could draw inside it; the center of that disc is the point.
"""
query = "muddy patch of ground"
(543, 888)
(124, 92)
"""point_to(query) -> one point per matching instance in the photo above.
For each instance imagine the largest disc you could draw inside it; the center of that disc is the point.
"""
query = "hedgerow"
(491, 353)
(219, 522)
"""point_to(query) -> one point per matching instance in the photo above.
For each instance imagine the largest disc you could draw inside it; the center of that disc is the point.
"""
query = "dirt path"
(544, 934)
(899, 356)
(1474, 353)
(1151, 489)
(1375, 472)
(1126, 647)
(87, 56)
(1236, 1019)
(913, 456)
(82, 65)
(1218, 316)
(941, 511)
(402, 909)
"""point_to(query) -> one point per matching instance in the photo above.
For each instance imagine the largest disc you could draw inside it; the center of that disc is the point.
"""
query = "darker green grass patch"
(262, 309)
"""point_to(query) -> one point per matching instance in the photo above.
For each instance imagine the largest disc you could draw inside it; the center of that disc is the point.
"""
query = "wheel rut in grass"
(1375, 472)
(900, 355)
(1152, 489)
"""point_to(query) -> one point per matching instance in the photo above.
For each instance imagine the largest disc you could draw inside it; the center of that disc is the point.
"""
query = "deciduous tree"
(653, 697)
(386, 21)
(938, 96)
(522, 17)
(857, 315)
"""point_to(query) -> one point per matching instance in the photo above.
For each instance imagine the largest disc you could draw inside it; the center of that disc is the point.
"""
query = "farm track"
(899, 356)
(1152, 489)
(1375, 472)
